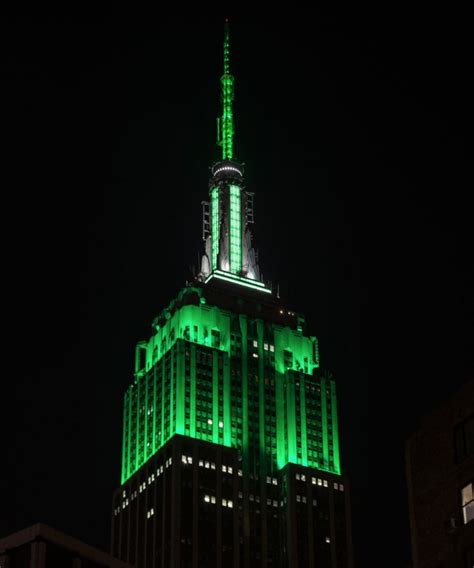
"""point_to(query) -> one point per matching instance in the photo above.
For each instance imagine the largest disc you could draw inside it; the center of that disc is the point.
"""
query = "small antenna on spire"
(225, 123)
(226, 47)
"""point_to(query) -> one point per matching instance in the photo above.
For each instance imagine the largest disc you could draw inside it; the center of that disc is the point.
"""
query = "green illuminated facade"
(229, 378)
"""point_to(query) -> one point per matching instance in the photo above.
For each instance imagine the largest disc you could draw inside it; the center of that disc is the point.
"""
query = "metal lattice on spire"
(225, 124)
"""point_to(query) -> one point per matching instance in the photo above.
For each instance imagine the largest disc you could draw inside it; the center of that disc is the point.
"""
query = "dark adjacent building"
(440, 470)
(230, 452)
(40, 546)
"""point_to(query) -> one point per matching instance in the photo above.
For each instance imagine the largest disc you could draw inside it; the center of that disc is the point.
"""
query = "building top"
(46, 534)
(233, 298)
(441, 452)
(449, 413)
(227, 362)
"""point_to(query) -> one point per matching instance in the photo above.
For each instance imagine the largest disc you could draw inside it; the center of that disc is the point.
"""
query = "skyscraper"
(230, 451)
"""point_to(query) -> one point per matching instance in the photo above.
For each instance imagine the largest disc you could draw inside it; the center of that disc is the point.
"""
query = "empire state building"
(230, 452)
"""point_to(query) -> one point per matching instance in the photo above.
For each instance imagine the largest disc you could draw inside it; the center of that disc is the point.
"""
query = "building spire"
(225, 124)
(228, 216)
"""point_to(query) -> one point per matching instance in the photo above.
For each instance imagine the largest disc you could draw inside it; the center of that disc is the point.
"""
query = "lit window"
(468, 503)
(298, 476)
(275, 503)
(303, 478)
(328, 540)
(221, 424)
(313, 480)
(272, 348)
(304, 499)
(184, 459)
(206, 465)
(269, 479)
(230, 504)
(315, 503)
(255, 343)
(341, 487)
(209, 421)
(224, 502)
(298, 498)
(201, 463)
(240, 473)
(275, 481)
(207, 499)
(336, 486)
(213, 499)
(320, 481)
(213, 465)
(255, 355)
(190, 460)
(325, 483)
(224, 468)
(265, 346)
(229, 469)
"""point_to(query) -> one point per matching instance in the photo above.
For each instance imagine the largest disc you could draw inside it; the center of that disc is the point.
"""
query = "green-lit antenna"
(225, 125)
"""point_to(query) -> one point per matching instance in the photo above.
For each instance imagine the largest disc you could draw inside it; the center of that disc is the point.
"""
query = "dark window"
(464, 439)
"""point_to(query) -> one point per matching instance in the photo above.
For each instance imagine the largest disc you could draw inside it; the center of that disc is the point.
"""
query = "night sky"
(354, 137)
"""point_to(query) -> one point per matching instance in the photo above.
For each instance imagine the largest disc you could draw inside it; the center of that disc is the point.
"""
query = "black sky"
(354, 137)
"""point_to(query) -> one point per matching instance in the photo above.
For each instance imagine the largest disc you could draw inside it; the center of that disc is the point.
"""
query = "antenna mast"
(225, 124)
